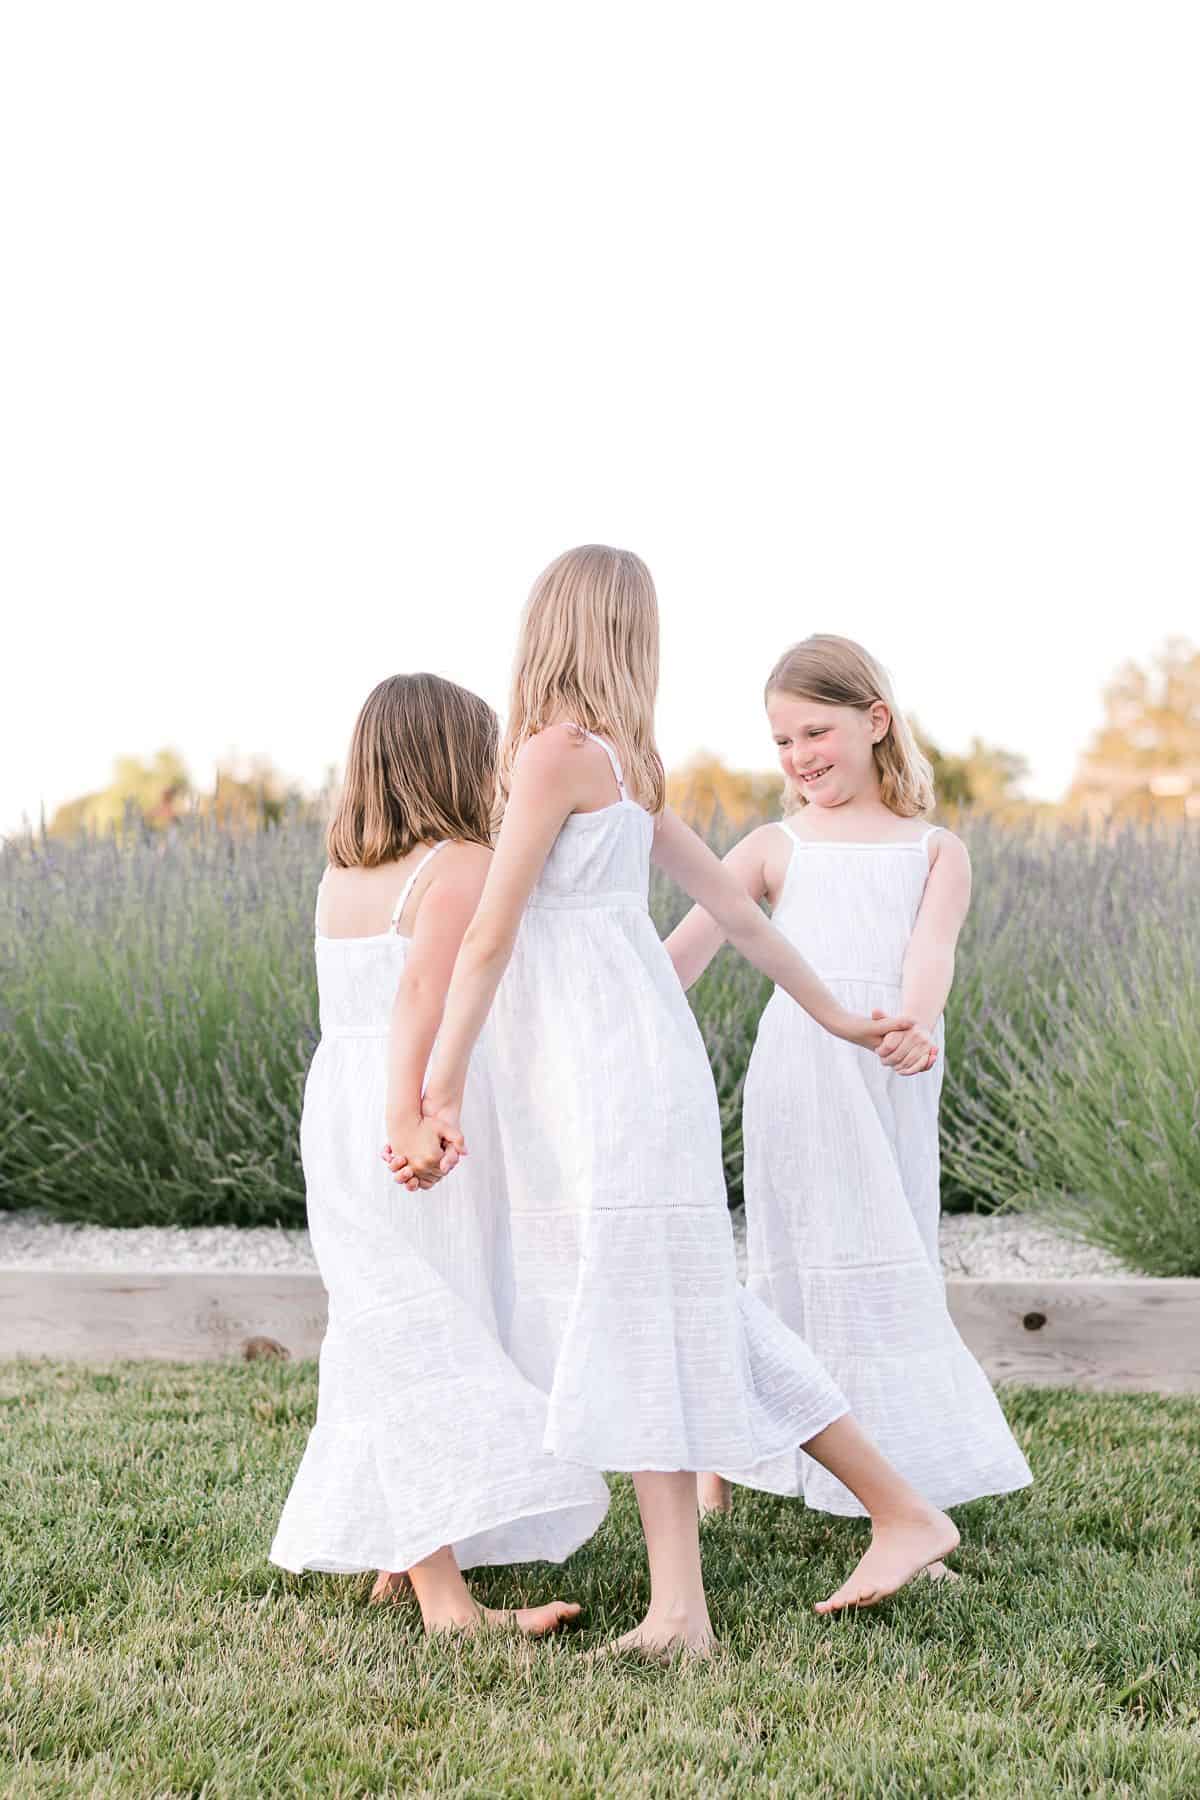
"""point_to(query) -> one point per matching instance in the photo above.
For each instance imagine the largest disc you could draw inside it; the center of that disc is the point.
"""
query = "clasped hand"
(898, 1041)
(905, 1046)
(419, 1152)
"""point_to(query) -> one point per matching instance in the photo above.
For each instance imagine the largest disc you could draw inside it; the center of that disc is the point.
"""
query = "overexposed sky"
(325, 327)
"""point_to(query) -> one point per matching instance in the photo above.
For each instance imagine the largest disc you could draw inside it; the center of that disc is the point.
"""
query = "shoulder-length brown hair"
(588, 653)
(421, 767)
(835, 671)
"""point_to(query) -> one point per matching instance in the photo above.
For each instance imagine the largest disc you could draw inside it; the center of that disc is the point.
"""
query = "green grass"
(148, 1648)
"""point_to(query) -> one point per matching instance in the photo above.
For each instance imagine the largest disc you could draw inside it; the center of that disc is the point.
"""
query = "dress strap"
(927, 834)
(787, 830)
(407, 889)
(612, 757)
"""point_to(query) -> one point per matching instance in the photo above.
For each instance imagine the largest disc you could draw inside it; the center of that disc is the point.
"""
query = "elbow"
(745, 924)
(415, 993)
(484, 949)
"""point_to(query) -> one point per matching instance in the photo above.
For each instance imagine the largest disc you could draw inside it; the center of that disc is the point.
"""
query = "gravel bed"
(30, 1240)
(1007, 1248)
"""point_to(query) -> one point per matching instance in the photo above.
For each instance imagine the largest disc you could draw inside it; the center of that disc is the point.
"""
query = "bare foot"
(390, 1584)
(940, 1571)
(713, 1495)
(530, 1621)
(898, 1550)
(534, 1621)
(659, 1640)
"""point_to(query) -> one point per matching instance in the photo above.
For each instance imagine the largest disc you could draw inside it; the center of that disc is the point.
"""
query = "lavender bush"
(159, 1011)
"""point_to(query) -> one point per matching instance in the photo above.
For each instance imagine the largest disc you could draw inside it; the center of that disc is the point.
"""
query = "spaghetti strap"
(407, 889)
(927, 834)
(787, 830)
(612, 757)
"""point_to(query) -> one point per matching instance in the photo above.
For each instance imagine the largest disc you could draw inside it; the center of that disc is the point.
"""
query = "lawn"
(148, 1647)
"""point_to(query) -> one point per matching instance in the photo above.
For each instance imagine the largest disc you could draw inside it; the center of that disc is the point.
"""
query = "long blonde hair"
(835, 671)
(421, 767)
(588, 654)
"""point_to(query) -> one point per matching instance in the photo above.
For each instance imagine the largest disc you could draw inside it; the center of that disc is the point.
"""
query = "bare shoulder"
(766, 847)
(764, 840)
(461, 868)
(551, 755)
(760, 862)
(950, 851)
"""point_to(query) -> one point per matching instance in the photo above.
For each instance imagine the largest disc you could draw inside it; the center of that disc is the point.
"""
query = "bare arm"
(447, 904)
(696, 939)
(929, 958)
(545, 789)
(688, 860)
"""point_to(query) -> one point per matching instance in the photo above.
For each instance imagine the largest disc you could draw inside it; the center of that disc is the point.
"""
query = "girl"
(426, 1452)
(841, 1167)
(628, 1311)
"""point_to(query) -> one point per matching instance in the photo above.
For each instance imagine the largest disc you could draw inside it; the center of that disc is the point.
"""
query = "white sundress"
(426, 1434)
(628, 1311)
(842, 1202)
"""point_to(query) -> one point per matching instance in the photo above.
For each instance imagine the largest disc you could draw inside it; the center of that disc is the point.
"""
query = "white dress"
(628, 1311)
(426, 1434)
(841, 1180)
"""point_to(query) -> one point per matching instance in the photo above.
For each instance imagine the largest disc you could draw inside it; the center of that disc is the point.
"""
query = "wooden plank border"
(1124, 1336)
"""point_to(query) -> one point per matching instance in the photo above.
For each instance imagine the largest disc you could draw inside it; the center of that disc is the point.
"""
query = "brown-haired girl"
(426, 1454)
(841, 1169)
(628, 1310)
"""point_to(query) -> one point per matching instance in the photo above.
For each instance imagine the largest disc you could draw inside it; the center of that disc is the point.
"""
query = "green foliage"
(1083, 1096)
(147, 1647)
(159, 1011)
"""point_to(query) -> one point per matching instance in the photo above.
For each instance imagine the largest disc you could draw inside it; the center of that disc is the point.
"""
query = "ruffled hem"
(347, 1511)
(931, 1410)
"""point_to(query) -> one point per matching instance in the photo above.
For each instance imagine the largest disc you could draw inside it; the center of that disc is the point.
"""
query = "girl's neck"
(861, 818)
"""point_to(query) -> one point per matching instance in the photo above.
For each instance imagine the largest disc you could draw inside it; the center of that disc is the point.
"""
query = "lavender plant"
(158, 1007)
(159, 1013)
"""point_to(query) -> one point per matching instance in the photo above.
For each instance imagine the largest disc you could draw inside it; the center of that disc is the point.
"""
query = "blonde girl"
(426, 1454)
(627, 1310)
(841, 1171)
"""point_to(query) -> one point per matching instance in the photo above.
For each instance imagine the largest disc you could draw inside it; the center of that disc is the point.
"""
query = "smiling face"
(827, 752)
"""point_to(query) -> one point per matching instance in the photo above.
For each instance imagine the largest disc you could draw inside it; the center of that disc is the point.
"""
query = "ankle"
(896, 1515)
(448, 1610)
(677, 1614)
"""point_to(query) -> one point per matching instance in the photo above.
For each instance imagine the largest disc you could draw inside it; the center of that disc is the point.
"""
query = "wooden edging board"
(1129, 1335)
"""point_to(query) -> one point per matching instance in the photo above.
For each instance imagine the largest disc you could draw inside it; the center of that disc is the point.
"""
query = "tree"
(1144, 761)
(256, 794)
(161, 791)
(985, 777)
(705, 789)
(158, 790)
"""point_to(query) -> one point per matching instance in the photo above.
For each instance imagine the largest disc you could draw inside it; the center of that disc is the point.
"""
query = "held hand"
(910, 1050)
(445, 1114)
(417, 1154)
(868, 1034)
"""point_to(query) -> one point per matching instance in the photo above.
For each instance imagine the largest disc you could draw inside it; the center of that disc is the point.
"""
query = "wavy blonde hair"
(421, 767)
(835, 671)
(588, 654)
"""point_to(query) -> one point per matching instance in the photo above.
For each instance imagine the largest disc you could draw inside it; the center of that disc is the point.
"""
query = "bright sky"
(325, 327)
